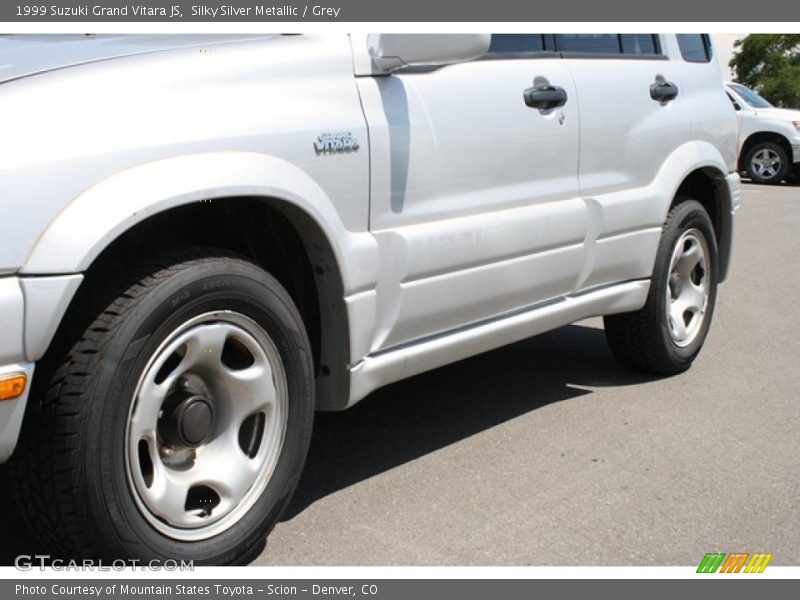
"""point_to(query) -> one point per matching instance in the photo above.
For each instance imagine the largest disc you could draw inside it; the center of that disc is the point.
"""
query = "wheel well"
(707, 186)
(758, 138)
(283, 240)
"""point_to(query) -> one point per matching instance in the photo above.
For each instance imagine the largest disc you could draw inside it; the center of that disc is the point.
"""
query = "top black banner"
(247, 11)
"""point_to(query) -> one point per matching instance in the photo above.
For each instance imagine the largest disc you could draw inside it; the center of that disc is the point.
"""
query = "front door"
(474, 193)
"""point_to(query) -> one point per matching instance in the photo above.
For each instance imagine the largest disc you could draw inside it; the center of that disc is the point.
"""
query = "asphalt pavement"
(549, 453)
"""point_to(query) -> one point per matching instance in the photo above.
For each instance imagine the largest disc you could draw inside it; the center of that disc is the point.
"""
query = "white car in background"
(769, 137)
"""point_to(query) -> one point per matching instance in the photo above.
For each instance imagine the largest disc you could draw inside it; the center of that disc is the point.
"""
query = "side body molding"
(613, 218)
(103, 212)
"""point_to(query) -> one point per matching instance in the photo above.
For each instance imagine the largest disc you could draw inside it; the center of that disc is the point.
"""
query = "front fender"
(99, 215)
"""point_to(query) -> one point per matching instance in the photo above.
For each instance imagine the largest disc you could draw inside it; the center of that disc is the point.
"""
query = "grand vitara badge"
(335, 141)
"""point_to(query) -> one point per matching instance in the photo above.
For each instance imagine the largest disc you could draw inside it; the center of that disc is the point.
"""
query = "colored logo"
(735, 562)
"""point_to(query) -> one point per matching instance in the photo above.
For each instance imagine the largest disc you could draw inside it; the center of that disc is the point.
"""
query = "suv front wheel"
(172, 417)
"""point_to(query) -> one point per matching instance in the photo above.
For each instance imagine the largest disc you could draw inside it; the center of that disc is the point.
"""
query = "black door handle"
(663, 91)
(545, 97)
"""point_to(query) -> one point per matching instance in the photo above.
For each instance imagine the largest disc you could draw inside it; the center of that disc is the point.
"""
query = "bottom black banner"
(392, 589)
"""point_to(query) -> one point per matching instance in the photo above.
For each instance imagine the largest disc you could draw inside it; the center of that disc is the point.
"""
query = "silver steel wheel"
(206, 426)
(688, 287)
(766, 163)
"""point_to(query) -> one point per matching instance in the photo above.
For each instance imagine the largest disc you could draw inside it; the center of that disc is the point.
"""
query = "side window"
(695, 47)
(608, 43)
(639, 43)
(519, 45)
(516, 43)
(595, 43)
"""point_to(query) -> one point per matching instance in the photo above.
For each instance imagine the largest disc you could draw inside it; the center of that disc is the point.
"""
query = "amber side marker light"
(12, 386)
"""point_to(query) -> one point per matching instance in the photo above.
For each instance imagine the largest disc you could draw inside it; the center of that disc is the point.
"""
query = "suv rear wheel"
(666, 335)
(174, 421)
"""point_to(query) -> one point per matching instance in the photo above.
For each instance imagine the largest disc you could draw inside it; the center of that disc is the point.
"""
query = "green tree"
(770, 64)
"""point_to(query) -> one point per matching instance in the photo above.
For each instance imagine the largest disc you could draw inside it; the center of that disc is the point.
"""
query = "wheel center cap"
(196, 420)
(187, 421)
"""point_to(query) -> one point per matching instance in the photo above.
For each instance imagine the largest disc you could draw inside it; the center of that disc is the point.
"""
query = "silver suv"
(206, 239)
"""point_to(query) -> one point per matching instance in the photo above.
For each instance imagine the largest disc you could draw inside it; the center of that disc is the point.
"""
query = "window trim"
(520, 55)
(612, 55)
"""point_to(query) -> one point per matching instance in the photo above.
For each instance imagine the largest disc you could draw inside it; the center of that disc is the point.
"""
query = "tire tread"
(43, 469)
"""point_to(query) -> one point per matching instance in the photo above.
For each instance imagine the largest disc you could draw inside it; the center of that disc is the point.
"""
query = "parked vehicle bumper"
(796, 152)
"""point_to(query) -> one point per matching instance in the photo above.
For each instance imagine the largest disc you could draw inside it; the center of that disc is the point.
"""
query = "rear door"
(630, 124)
(474, 194)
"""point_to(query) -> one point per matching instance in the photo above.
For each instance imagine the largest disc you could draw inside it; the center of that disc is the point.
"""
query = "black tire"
(642, 340)
(780, 172)
(70, 467)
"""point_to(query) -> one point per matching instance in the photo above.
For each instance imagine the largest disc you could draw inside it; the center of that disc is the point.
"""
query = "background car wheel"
(767, 163)
(665, 336)
(172, 418)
